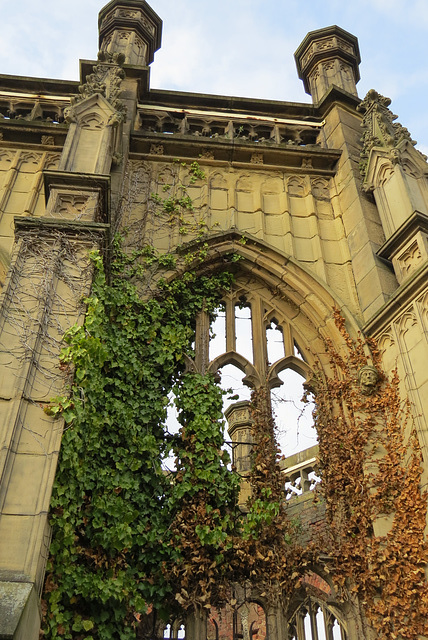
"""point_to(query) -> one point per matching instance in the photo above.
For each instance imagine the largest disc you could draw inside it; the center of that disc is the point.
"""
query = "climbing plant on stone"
(112, 505)
(370, 461)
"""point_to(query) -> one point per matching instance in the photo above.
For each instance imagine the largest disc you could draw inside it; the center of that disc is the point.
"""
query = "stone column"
(327, 62)
(240, 430)
(48, 279)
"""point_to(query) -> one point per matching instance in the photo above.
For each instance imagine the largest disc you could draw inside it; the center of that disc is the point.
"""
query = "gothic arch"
(302, 299)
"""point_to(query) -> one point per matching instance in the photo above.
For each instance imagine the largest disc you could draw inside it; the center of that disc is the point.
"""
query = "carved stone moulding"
(408, 246)
(74, 196)
(74, 204)
(238, 415)
(135, 16)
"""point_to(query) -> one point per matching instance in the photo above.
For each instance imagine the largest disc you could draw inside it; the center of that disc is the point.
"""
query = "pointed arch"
(301, 297)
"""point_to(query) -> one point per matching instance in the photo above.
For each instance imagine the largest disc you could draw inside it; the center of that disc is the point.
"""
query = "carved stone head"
(368, 378)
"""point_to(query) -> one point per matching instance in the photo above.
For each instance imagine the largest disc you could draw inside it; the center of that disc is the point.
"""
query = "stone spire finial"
(380, 129)
(327, 57)
(132, 28)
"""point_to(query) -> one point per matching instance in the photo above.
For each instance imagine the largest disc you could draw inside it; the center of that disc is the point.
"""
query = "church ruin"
(324, 210)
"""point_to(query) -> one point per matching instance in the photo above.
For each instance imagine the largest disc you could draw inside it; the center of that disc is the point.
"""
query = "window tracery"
(314, 620)
(252, 343)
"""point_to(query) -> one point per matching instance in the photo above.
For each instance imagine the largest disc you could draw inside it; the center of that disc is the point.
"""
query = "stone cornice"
(414, 286)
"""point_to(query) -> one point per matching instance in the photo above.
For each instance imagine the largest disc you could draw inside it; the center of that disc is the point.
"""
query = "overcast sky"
(236, 47)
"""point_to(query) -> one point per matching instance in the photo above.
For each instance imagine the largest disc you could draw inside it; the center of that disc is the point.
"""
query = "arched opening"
(293, 416)
(315, 620)
(243, 330)
(217, 344)
(275, 342)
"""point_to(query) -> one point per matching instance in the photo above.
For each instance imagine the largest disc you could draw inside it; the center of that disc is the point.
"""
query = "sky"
(236, 47)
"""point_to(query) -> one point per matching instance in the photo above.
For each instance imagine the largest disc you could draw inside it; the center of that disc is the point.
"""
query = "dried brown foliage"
(371, 468)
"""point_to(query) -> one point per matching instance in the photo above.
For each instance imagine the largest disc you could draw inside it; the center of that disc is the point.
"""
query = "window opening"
(218, 333)
(231, 378)
(337, 631)
(298, 352)
(172, 427)
(293, 417)
(167, 632)
(320, 625)
(307, 625)
(301, 480)
(275, 342)
(243, 331)
(313, 622)
(181, 632)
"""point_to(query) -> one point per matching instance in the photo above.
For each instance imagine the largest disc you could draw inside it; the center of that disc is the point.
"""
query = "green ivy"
(127, 537)
(112, 504)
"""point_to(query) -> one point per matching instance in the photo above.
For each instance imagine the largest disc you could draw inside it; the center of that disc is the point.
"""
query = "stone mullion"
(288, 339)
(202, 341)
(259, 338)
(300, 625)
(313, 619)
(230, 325)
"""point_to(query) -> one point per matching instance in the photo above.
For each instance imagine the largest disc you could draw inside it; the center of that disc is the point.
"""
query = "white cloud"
(235, 47)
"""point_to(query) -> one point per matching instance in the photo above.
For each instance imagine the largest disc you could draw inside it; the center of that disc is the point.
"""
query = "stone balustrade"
(31, 108)
(300, 472)
(227, 127)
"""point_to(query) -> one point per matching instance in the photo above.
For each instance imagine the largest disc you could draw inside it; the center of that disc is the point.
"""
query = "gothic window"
(315, 621)
(218, 333)
(253, 344)
(275, 342)
(293, 416)
(243, 330)
(175, 631)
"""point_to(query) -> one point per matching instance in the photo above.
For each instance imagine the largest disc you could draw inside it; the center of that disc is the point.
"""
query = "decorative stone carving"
(36, 113)
(410, 258)
(257, 158)
(157, 149)
(73, 205)
(128, 13)
(48, 140)
(208, 155)
(105, 80)
(380, 130)
(328, 43)
(52, 160)
(368, 378)
(306, 163)
(296, 186)
(320, 188)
